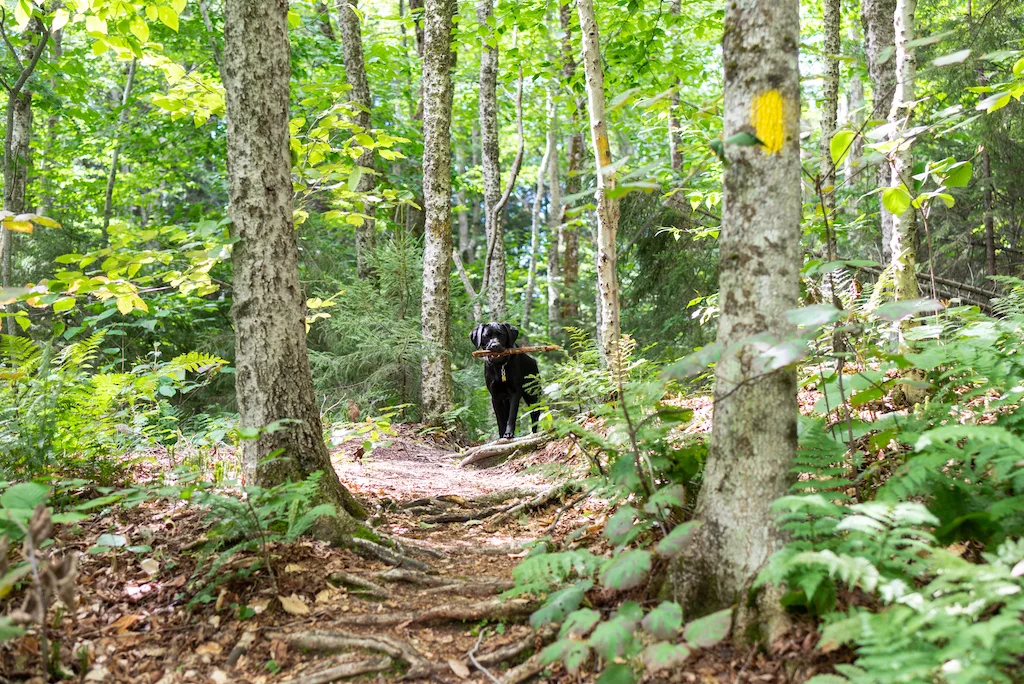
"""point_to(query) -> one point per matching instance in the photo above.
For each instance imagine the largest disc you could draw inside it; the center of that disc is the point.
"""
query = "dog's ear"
(476, 335)
(512, 332)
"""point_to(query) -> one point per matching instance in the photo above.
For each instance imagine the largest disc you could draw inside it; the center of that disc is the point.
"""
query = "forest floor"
(334, 613)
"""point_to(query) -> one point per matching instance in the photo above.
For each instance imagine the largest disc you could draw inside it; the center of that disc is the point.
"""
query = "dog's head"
(495, 337)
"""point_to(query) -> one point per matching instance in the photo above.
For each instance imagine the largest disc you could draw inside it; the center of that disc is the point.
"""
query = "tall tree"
(359, 96)
(903, 242)
(437, 190)
(491, 152)
(574, 161)
(18, 136)
(607, 205)
(754, 435)
(556, 234)
(675, 152)
(830, 112)
(122, 119)
(273, 381)
(535, 221)
(877, 17)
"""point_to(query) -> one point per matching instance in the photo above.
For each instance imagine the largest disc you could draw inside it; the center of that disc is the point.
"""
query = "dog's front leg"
(513, 413)
(500, 406)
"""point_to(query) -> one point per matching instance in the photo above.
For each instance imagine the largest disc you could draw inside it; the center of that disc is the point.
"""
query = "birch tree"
(359, 96)
(829, 114)
(535, 219)
(273, 384)
(607, 205)
(437, 393)
(754, 434)
(902, 245)
(556, 234)
(570, 267)
(490, 151)
(877, 17)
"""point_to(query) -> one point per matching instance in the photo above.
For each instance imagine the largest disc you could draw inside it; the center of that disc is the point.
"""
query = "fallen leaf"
(150, 567)
(178, 581)
(459, 668)
(293, 605)
(98, 674)
(214, 621)
(329, 595)
(259, 605)
(124, 623)
(294, 567)
(209, 648)
(219, 677)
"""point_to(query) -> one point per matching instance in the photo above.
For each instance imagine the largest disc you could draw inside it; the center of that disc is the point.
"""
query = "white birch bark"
(273, 381)
(829, 112)
(555, 214)
(491, 169)
(903, 244)
(569, 240)
(877, 17)
(437, 393)
(535, 221)
(607, 206)
(754, 435)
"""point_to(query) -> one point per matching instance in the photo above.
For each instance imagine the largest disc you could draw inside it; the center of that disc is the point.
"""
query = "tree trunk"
(535, 215)
(903, 244)
(437, 393)
(754, 435)
(359, 96)
(465, 233)
(555, 216)
(990, 231)
(855, 119)
(829, 112)
(46, 203)
(607, 206)
(574, 154)
(17, 166)
(273, 381)
(491, 169)
(323, 19)
(877, 17)
(122, 119)
(675, 152)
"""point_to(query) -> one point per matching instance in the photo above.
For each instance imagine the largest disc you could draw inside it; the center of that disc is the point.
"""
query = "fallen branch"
(333, 674)
(322, 640)
(416, 546)
(479, 550)
(342, 577)
(365, 547)
(523, 672)
(484, 354)
(538, 501)
(494, 449)
(413, 577)
(490, 609)
(480, 587)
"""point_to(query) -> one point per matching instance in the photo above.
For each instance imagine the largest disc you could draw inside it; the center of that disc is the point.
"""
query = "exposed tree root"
(464, 517)
(413, 577)
(499, 448)
(323, 640)
(444, 550)
(521, 673)
(513, 650)
(490, 609)
(479, 587)
(538, 501)
(365, 547)
(571, 503)
(476, 663)
(416, 546)
(344, 671)
(342, 577)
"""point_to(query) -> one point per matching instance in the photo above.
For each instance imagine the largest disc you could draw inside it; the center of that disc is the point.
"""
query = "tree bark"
(437, 393)
(829, 112)
(359, 96)
(466, 246)
(903, 243)
(491, 165)
(323, 19)
(855, 118)
(122, 119)
(877, 17)
(675, 152)
(555, 216)
(570, 238)
(46, 203)
(754, 435)
(607, 206)
(535, 216)
(273, 381)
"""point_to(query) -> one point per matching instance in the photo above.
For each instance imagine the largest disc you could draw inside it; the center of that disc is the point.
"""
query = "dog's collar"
(503, 365)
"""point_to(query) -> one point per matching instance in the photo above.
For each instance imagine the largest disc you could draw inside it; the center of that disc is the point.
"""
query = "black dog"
(506, 377)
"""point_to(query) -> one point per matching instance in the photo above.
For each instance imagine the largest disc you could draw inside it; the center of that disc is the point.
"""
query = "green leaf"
(840, 145)
(743, 139)
(560, 604)
(140, 29)
(24, 496)
(1018, 67)
(709, 630)
(94, 24)
(9, 630)
(616, 673)
(663, 655)
(958, 175)
(618, 527)
(627, 570)
(678, 539)
(896, 200)
(113, 541)
(896, 311)
(953, 58)
(64, 304)
(365, 140)
(22, 14)
(60, 20)
(579, 623)
(664, 621)
(168, 16)
(612, 638)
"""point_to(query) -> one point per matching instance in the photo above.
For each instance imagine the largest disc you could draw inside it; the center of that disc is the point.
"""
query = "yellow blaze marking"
(769, 119)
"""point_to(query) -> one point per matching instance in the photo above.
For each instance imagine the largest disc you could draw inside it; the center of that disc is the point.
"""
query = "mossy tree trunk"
(754, 435)
(273, 382)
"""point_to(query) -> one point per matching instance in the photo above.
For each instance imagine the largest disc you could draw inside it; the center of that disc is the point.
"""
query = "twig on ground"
(476, 663)
(367, 547)
(333, 674)
(571, 503)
